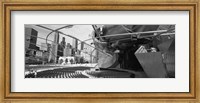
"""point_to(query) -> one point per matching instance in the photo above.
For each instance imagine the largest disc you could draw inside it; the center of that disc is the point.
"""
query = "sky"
(82, 32)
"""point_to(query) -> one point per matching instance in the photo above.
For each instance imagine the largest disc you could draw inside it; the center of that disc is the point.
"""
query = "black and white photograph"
(99, 51)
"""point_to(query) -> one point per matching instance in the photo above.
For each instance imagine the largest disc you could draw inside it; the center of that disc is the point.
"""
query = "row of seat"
(59, 74)
(109, 74)
(77, 73)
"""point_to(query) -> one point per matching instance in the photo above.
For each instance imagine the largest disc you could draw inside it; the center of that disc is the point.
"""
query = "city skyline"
(56, 48)
(76, 31)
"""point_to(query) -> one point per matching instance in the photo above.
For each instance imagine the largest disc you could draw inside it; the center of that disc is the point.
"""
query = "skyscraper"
(30, 42)
(30, 38)
(68, 50)
(53, 52)
(75, 44)
(82, 45)
(61, 47)
(63, 42)
(45, 47)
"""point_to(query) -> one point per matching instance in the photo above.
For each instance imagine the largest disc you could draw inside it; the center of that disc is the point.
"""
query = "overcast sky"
(81, 32)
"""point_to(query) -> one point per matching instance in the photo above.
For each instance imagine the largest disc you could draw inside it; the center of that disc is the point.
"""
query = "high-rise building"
(45, 49)
(68, 50)
(30, 38)
(82, 45)
(68, 45)
(75, 44)
(63, 42)
(54, 48)
(61, 47)
(30, 42)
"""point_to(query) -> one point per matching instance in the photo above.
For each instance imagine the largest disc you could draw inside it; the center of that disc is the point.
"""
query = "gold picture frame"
(5, 71)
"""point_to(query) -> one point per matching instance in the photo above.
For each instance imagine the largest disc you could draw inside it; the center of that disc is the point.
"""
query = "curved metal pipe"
(98, 41)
